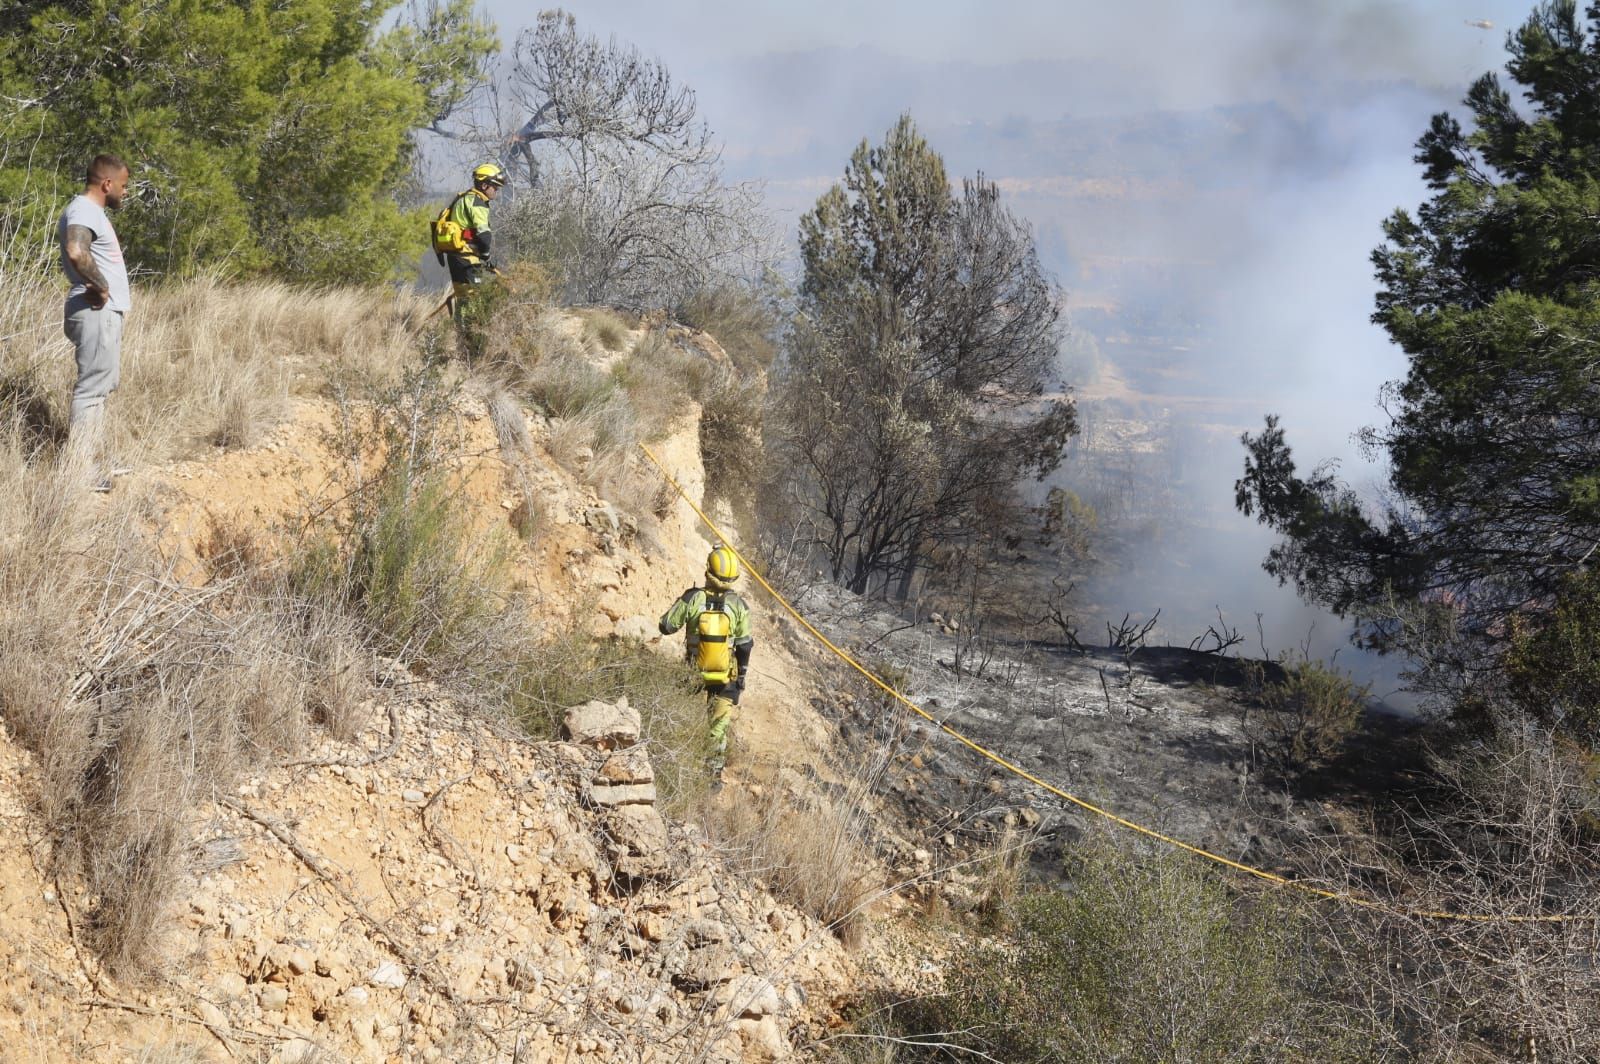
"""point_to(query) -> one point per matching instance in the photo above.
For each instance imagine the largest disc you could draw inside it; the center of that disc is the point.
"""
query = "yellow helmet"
(722, 569)
(489, 174)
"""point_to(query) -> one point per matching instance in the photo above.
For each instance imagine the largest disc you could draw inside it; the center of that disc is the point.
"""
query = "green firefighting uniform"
(722, 698)
(470, 211)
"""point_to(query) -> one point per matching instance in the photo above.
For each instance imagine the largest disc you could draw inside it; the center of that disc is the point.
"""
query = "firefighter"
(462, 239)
(716, 624)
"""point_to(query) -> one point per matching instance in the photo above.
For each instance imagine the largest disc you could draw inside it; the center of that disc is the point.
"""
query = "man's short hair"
(102, 167)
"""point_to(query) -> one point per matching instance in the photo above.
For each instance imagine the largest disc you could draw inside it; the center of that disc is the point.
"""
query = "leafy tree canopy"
(1493, 439)
(263, 135)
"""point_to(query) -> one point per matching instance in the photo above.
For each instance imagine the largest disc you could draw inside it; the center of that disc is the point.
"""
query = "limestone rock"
(749, 996)
(627, 766)
(703, 969)
(637, 627)
(388, 975)
(606, 795)
(637, 840)
(603, 725)
(523, 973)
(763, 1039)
(704, 933)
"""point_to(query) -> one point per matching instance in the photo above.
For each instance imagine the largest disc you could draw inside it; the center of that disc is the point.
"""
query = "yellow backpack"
(448, 236)
(714, 631)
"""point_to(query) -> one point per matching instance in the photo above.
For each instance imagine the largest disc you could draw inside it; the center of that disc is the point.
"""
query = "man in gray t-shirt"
(99, 300)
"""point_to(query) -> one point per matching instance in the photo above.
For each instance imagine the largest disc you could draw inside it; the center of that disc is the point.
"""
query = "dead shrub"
(341, 676)
(1002, 872)
(230, 548)
(812, 850)
(28, 409)
(140, 696)
(730, 441)
(188, 689)
(510, 422)
(1505, 831)
(657, 380)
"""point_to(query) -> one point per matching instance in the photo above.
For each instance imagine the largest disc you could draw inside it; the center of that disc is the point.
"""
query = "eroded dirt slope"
(441, 888)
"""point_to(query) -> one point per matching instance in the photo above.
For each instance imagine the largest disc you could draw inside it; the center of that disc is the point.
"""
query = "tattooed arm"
(79, 237)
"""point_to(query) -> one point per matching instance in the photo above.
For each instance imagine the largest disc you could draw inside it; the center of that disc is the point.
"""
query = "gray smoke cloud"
(1207, 180)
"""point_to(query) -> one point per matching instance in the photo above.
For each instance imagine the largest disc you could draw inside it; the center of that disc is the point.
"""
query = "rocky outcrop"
(603, 725)
(452, 893)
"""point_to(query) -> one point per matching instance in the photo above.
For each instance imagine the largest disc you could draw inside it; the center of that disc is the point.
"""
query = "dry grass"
(811, 849)
(206, 363)
(596, 417)
(140, 695)
(744, 322)
(602, 329)
(663, 375)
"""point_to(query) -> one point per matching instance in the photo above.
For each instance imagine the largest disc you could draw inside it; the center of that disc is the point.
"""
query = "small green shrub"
(405, 561)
(476, 315)
(1553, 665)
(1304, 720)
(408, 566)
(1139, 959)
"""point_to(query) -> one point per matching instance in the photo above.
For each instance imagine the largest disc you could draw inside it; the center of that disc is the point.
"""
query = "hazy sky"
(1144, 52)
(1386, 37)
(1227, 163)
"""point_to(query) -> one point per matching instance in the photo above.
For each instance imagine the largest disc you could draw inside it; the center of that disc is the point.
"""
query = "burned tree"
(630, 207)
(578, 89)
(917, 389)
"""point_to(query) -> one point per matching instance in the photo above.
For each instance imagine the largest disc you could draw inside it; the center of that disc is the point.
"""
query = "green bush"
(475, 316)
(405, 560)
(1306, 718)
(1553, 665)
(1139, 959)
(407, 566)
(262, 136)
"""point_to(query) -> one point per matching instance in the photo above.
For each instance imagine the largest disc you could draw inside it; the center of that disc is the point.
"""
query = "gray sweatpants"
(96, 337)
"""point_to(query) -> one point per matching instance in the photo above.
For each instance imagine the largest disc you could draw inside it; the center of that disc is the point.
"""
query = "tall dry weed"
(204, 362)
(811, 848)
(139, 695)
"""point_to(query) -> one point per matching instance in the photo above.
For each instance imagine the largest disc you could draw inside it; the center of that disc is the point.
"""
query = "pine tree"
(1493, 441)
(262, 136)
(913, 395)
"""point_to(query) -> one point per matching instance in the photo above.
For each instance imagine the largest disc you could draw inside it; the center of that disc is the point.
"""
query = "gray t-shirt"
(106, 251)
